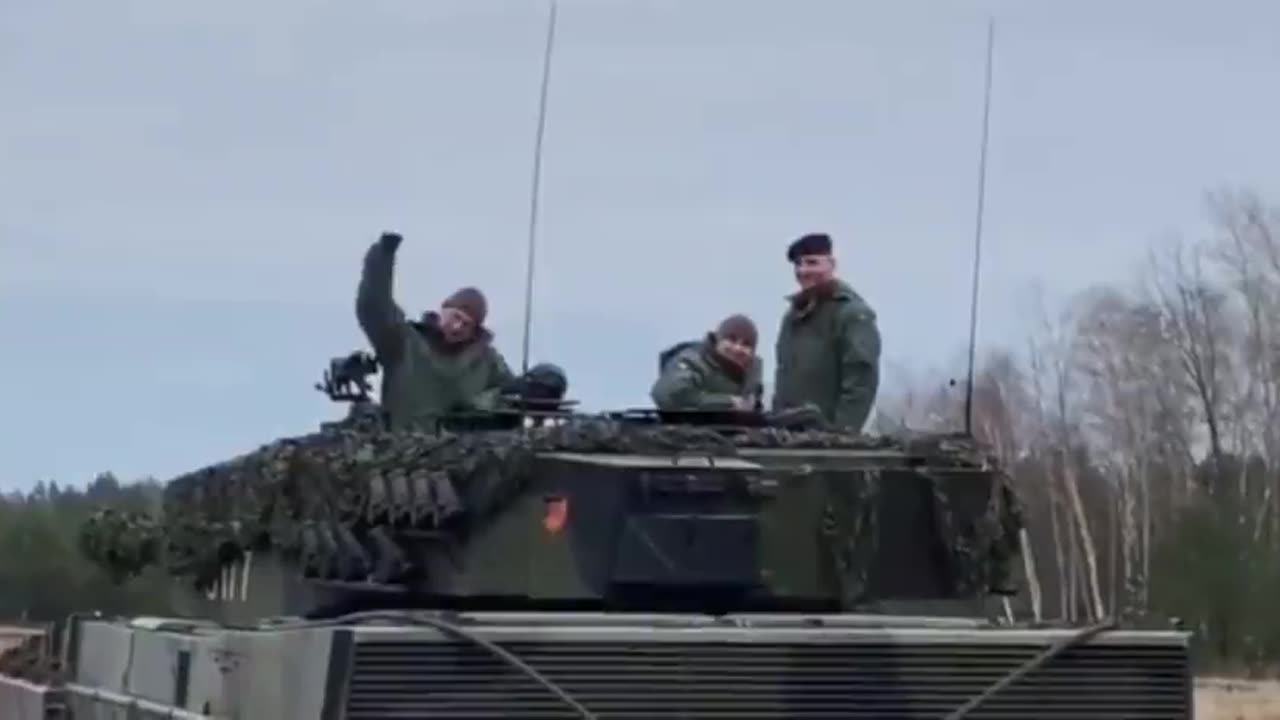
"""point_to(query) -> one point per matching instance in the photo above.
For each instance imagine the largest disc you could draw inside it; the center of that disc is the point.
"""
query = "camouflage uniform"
(423, 377)
(693, 377)
(828, 354)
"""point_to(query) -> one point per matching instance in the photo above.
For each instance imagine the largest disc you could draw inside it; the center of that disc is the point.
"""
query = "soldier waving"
(442, 363)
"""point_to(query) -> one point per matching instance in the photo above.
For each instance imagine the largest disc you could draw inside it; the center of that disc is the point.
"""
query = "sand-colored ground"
(1223, 699)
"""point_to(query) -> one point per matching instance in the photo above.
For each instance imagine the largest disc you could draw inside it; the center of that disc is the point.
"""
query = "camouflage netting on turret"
(297, 491)
(978, 543)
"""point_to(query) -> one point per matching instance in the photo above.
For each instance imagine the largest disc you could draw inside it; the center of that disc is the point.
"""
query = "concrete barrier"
(22, 700)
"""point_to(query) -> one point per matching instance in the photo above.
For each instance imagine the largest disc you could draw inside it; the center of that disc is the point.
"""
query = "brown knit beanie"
(470, 301)
(737, 327)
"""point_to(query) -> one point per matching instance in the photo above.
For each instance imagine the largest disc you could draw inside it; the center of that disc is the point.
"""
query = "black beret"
(811, 244)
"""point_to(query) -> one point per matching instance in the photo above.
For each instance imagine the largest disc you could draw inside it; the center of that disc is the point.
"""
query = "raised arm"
(379, 316)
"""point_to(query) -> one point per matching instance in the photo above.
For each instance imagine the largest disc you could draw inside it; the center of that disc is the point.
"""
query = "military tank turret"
(527, 560)
(529, 506)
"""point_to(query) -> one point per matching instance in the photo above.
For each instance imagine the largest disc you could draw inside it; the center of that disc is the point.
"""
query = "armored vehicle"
(534, 562)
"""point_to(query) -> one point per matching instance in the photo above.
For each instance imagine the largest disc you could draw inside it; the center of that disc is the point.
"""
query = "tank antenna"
(537, 183)
(977, 233)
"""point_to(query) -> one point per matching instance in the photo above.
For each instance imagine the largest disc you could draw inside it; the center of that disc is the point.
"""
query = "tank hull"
(628, 666)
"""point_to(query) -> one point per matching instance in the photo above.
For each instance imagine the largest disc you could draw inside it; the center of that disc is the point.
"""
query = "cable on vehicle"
(1082, 636)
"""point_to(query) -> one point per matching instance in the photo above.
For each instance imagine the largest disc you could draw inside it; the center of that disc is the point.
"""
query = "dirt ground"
(1224, 699)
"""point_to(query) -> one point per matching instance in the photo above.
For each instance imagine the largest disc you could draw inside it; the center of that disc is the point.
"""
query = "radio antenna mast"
(537, 183)
(977, 233)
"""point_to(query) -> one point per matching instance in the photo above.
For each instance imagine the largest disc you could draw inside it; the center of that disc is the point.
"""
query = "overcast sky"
(186, 189)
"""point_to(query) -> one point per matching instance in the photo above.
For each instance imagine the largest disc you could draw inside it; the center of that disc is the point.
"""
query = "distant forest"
(1141, 425)
(43, 576)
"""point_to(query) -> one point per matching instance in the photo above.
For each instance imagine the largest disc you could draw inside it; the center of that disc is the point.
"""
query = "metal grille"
(743, 680)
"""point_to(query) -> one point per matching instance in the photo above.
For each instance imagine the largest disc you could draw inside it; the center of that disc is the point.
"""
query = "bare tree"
(1058, 421)
(1247, 250)
(1196, 320)
(1113, 414)
(1131, 418)
(1039, 352)
(1001, 409)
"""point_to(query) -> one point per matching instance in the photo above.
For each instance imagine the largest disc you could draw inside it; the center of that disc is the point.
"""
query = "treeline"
(1142, 425)
(43, 575)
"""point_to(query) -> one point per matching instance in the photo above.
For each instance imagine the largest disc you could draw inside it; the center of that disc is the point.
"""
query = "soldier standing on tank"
(828, 348)
(445, 362)
(719, 372)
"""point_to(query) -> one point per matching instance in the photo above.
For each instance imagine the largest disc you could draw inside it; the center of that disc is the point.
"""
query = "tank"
(534, 561)
(531, 506)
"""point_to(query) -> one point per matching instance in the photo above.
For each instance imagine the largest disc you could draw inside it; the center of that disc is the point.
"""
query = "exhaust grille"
(893, 680)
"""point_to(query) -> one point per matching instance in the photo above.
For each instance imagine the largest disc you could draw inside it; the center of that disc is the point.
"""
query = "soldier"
(443, 363)
(828, 349)
(720, 372)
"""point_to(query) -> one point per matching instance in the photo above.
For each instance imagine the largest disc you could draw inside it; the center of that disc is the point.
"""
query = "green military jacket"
(828, 355)
(422, 377)
(691, 377)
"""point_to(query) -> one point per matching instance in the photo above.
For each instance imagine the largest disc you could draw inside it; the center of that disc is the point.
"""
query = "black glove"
(391, 240)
